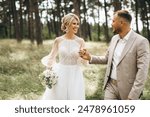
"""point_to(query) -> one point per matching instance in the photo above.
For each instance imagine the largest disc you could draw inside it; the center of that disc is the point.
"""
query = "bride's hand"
(85, 54)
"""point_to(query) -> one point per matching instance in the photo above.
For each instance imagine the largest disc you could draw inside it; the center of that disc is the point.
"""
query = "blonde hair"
(66, 21)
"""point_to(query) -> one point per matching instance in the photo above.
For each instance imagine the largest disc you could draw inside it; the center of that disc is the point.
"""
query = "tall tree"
(136, 15)
(116, 4)
(76, 6)
(37, 23)
(4, 18)
(106, 31)
(15, 20)
(31, 28)
(144, 5)
(58, 14)
(21, 19)
(86, 31)
(99, 5)
(147, 18)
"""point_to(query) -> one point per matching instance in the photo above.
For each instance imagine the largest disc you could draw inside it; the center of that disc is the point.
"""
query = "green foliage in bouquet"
(48, 78)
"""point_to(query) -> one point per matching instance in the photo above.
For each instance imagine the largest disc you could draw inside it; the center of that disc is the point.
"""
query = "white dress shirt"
(117, 54)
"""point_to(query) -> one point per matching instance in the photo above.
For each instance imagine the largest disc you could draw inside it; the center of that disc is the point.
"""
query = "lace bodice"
(67, 51)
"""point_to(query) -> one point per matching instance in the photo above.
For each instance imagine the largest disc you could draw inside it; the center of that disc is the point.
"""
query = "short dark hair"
(124, 14)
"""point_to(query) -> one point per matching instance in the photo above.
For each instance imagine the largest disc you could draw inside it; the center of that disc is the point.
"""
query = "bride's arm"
(50, 60)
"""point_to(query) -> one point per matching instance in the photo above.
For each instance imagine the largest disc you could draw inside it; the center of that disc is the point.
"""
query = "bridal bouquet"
(49, 78)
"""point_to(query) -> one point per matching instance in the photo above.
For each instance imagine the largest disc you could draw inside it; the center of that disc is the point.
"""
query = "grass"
(20, 66)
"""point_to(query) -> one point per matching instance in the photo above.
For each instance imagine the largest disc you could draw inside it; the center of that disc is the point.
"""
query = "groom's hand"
(85, 54)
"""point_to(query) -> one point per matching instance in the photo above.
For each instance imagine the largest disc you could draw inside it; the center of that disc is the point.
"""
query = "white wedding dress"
(70, 84)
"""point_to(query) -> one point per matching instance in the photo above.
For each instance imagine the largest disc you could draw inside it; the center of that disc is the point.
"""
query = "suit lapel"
(113, 48)
(127, 46)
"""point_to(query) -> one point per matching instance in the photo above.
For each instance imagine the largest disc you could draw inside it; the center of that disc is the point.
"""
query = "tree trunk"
(98, 25)
(58, 3)
(21, 20)
(89, 31)
(149, 19)
(147, 22)
(84, 25)
(48, 22)
(136, 15)
(65, 6)
(76, 6)
(9, 24)
(117, 5)
(30, 21)
(55, 24)
(15, 21)
(37, 23)
(106, 31)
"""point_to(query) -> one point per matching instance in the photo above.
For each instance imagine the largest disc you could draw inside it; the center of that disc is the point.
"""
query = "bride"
(70, 84)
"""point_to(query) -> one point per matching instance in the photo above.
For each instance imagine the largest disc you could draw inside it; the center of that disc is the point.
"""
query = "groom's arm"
(92, 58)
(99, 59)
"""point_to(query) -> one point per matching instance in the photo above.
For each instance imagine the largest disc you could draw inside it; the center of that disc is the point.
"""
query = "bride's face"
(74, 26)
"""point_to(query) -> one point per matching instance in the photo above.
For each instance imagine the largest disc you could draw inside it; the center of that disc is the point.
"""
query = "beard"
(117, 30)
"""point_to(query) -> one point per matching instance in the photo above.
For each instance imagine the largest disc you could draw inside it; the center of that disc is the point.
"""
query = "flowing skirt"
(69, 86)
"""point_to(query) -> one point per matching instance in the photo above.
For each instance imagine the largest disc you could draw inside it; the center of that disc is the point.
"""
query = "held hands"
(85, 54)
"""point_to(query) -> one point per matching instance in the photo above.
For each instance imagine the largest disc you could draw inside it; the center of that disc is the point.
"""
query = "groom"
(127, 60)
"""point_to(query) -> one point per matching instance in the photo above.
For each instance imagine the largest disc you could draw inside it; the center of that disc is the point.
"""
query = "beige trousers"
(111, 92)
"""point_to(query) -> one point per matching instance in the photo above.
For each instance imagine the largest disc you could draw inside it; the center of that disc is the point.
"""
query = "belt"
(114, 82)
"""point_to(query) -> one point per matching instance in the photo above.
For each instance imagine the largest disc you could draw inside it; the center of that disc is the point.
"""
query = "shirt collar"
(127, 35)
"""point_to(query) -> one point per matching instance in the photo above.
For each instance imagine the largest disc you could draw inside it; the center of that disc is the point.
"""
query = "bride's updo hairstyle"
(66, 21)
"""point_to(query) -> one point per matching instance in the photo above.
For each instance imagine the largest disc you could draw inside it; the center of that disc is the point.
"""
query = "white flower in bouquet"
(49, 78)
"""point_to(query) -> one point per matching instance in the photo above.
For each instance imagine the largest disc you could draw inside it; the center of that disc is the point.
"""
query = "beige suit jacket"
(133, 66)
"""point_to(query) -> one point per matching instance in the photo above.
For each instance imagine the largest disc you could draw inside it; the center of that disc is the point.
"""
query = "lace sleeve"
(80, 60)
(50, 59)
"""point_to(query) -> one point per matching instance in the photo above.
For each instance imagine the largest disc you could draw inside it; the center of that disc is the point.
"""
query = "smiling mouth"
(75, 29)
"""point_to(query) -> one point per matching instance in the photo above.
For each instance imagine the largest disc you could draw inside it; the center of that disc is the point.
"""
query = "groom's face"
(116, 24)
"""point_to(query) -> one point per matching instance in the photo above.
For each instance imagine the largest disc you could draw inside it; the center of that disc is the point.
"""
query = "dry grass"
(20, 66)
